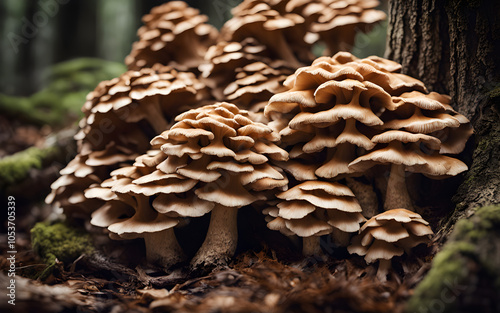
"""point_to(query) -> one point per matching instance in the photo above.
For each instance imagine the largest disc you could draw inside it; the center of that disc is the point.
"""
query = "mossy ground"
(467, 264)
(59, 241)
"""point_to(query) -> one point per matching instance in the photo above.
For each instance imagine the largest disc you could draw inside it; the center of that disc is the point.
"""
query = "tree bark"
(453, 47)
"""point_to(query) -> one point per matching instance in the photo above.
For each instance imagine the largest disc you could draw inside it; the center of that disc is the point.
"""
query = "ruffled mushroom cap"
(390, 234)
(214, 159)
(223, 59)
(173, 34)
(315, 208)
(333, 106)
(430, 114)
(121, 116)
(255, 83)
(283, 33)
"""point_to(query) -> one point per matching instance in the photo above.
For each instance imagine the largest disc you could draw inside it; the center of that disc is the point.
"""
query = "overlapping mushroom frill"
(121, 117)
(351, 114)
(390, 234)
(315, 208)
(173, 34)
(214, 159)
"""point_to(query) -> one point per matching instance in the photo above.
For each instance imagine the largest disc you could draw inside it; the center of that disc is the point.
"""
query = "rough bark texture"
(454, 47)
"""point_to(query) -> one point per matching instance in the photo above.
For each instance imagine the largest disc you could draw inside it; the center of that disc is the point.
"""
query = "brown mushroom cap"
(173, 34)
(390, 234)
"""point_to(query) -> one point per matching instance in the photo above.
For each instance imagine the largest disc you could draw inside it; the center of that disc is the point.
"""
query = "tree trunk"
(453, 47)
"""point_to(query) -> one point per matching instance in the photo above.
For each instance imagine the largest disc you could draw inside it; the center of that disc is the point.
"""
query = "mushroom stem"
(221, 240)
(383, 269)
(311, 246)
(340, 238)
(281, 47)
(397, 196)
(155, 117)
(163, 249)
(366, 196)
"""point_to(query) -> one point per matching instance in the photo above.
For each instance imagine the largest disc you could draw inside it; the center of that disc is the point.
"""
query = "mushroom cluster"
(311, 152)
(173, 34)
(121, 117)
(342, 115)
(214, 159)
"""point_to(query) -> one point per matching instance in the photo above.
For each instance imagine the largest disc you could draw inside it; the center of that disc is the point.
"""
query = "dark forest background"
(38, 34)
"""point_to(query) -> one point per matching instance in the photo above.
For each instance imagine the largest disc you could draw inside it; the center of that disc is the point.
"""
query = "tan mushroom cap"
(390, 234)
(173, 34)
(313, 208)
(412, 156)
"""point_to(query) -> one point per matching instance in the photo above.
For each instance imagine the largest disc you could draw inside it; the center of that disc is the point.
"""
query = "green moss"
(64, 96)
(15, 168)
(59, 241)
(473, 241)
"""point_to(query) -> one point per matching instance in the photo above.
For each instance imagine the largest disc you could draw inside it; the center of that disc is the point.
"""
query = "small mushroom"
(173, 34)
(387, 235)
(315, 208)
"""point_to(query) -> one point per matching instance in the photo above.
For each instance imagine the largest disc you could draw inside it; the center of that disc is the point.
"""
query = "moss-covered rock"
(465, 275)
(59, 241)
(63, 97)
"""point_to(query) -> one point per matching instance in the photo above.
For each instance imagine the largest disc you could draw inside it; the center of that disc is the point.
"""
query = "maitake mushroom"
(173, 34)
(282, 34)
(121, 116)
(333, 22)
(214, 159)
(390, 234)
(315, 208)
(243, 73)
(346, 107)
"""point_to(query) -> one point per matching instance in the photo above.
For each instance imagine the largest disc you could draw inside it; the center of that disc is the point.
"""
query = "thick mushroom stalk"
(221, 239)
(387, 235)
(163, 248)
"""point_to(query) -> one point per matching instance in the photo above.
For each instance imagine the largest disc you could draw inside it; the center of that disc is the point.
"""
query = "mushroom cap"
(390, 234)
(315, 208)
(173, 34)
